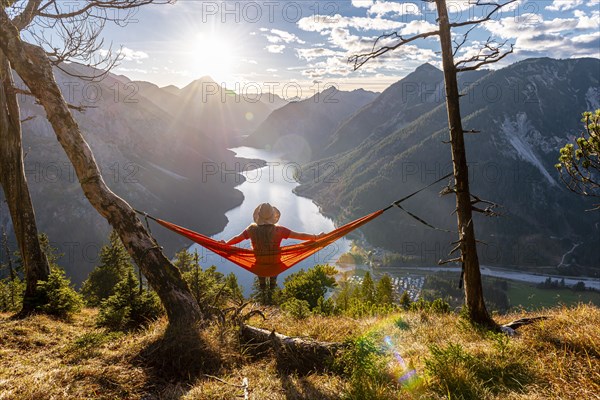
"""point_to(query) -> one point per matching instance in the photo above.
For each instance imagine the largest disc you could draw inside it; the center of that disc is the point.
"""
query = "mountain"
(157, 162)
(525, 113)
(203, 104)
(397, 106)
(273, 101)
(301, 129)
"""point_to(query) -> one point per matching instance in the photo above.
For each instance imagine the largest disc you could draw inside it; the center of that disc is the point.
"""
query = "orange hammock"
(287, 257)
(266, 265)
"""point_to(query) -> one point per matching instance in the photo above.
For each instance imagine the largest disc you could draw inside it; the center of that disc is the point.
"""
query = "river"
(274, 183)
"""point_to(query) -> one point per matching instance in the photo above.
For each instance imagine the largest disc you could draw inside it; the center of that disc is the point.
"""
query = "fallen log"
(511, 328)
(293, 353)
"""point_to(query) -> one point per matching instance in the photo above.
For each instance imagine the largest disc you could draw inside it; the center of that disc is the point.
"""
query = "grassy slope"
(41, 358)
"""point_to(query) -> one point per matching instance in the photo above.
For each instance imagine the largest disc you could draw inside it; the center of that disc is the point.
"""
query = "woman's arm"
(305, 236)
(236, 239)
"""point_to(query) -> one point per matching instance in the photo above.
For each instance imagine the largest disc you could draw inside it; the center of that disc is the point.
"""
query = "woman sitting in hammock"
(266, 238)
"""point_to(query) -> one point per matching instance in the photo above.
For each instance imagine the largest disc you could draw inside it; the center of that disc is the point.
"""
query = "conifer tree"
(385, 291)
(184, 260)
(343, 294)
(127, 308)
(115, 264)
(405, 300)
(232, 285)
(367, 289)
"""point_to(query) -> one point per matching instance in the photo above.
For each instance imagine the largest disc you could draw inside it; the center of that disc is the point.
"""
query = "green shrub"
(360, 309)
(209, 287)
(310, 285)
(129, 307)
(56, 296)
(298, 309)
(437, 306)
(365, 365)
(89, 345)
(456, 373)
(325, 307)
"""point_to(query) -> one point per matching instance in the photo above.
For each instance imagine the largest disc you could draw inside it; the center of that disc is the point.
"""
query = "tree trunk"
(293, 353)
(34, 67)
(472, 275)
(14, 183)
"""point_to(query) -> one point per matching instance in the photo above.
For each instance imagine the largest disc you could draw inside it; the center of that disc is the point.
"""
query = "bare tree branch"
(361, 59)
(488, 17)
(488, 54)
(96, 5)
(70, 31)
(465, 36)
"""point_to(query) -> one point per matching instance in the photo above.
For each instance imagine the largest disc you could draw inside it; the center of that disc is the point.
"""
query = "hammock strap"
(423, 221)
(397, 202)
(146, 216)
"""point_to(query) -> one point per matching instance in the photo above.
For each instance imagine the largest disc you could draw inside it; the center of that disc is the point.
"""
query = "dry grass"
(559, 358)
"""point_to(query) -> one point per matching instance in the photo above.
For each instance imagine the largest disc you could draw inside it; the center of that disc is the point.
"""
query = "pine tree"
(343, 295)
(405, 300)
(367, 289)
(184, 260)
(12, 287)
(56, 296)
(115, 264)
(232, 285)
(127, 308)
(385, 290)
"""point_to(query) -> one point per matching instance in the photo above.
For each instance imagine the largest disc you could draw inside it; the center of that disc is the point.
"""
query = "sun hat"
(266, 214)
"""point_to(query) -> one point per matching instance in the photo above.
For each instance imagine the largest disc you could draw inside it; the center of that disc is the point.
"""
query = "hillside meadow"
(406, 355)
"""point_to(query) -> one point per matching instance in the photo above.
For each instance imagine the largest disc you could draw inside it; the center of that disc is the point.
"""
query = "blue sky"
(271, 44)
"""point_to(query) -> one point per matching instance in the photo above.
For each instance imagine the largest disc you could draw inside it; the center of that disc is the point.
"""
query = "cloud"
(320, 23)
(591, 39)
(271, 69)
(529, 25)
(125, 54)
(381, 8)
(136, 70)
(317, 52)
(417, 26)
(564, 5)
(586, 22)
(128, 54)
(275, 48)
(287, 37)
(277, 36)
(552, 38)
(362, 3)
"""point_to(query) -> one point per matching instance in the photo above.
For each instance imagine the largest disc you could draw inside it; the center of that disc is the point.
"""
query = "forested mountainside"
(524, 112)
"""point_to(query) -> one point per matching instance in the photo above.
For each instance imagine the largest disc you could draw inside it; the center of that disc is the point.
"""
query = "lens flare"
(406, 374)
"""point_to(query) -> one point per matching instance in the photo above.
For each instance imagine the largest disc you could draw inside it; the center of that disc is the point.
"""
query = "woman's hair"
(262, 238)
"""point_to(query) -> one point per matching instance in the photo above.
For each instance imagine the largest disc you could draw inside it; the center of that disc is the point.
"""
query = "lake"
(274, 184)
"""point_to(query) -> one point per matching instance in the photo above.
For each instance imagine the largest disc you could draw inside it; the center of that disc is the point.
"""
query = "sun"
(213, 56)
